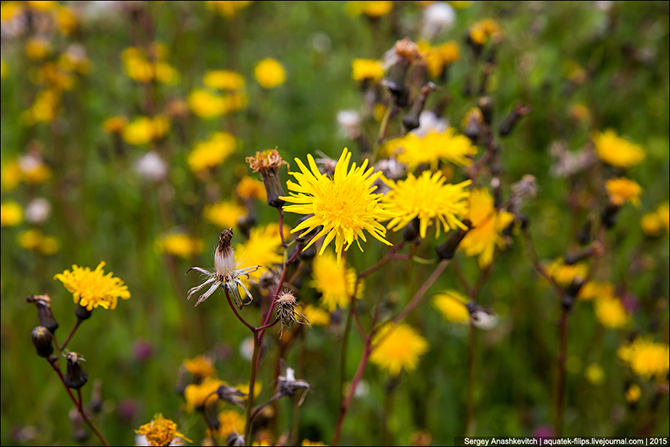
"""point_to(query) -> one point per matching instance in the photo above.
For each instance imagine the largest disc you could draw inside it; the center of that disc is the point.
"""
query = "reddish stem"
(237, 314)
(67, 340)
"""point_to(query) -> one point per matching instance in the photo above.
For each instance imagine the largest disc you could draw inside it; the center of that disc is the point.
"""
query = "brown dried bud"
(473, 123)
(231, 395)
(447, 250)
(288, 385)
(411, 120)
(42, 339)
(267, 164)
(82, 313)
(287, 312)
(509, 122)
(608, 216)
(43, 303)
(485, 104)
(75, 377)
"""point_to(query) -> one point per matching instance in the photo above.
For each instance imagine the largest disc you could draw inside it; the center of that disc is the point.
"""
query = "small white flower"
(436, 18)
(247, 348)
(484, 319)
(38, 210)
(152, 167)
(430, 122)
(349, 121)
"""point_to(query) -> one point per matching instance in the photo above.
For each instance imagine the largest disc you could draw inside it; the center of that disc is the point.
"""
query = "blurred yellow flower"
(92, 289)
(115, 124)
(11, 214)
(4, 71)
(228, 9)
(212, 152)
(481, 31)
(655, 222)
(55, 77)
(344, 204)
(580, 112)
(447, 146)
(44, 108)
(426, 198)
(633, 393)
(617, 151)
(244, 388)
(10, 175)
(371, 69)
(595, 374)
(143, 130)
(251, 188)
(198, 395)
(594, 290)
(452, 306)
(161, 432)
(316, 316)
(67, 20)
(564, 274)
(269, 73)
(205, 104)
(262, 248)
(201, 367)
(37, 48)
(611, 313)
(141, 69)
(621, 190)
(438, 58)
(179, 245)
(307, 442)
(224, 80)
(33, 239)
(488, 225)
(334, 281)
(10, 10)
(42, 5)
(397, 347)
(372, 9)
(230, 421)
(646, 358)
(224, 214)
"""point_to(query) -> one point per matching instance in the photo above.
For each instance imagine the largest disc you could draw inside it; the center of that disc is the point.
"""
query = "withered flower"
(288, 385)
(287, 312)
(267, 164)
(43, 303)
(42, 339)
(231, 395)
(75, 377)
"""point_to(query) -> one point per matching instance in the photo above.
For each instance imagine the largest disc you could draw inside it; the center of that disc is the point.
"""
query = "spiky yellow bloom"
(595, 374)
(230, 421)
(617, 151)
(452, 306)
(438, 58)
(646, 358)
(211, 153)
(201, 366)
(621, 190)
(224, 214)
(223, 80)
(655, 222)
(344, 205)
(488, 225)
(92, 289)
(179, 245)
(228, 9)
(447, 146)
(144, 130)
(11, 214)
(563, 273)
(594, 290)
(316, 316)
(262, 248)
(33, 239)
(161, 432)
(397, 347)
(249, 188)
(363, 69)
(198, 395)
(426, 198)
(335, 282)
(269, 73)
(611, 313)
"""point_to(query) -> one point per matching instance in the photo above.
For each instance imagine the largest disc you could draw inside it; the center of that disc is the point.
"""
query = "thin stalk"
(422, 291)
(250, 397)
(67, 340)
(469, 406)
(343, 350)
(237, 314)
(383, 261)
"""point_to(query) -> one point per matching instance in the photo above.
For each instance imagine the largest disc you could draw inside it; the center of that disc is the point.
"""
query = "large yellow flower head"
(262, 248)
(447, 146)
(335, 282)
(452, 306)
(211, 153)
(161, 431)
(646, 358)
(269, 73)
(617, 151)
(199, 395)
(397, 347)
(224, 214)
(594, 290)
(426, 198)
(488, 225)
(93, 288)
(621, 190)
(611, 313)
(344, 205)
(363, 69)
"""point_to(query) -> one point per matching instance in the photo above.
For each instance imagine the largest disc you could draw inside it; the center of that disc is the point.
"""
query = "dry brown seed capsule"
(75, 377)
(43, 303)
(42, 340)
(267, 164)
(287, 312)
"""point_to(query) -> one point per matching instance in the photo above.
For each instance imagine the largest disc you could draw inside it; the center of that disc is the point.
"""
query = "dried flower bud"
(482, 318)
(287, 312)
(288, 385)
(575, 257)
(584, 234)
(235, 440)
(75, 377)
(231, 395)
(399, 58)
(412, 230)
(411, 120)
(522, 190)
(472, 124)
(485, 104)
(42, 339)
(43, 303)
(267, 164)
(82, 313)
(608, 216)
(508, 123)
(447, 250)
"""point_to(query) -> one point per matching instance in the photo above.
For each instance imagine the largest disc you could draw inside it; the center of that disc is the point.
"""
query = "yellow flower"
(33, 169)
(9, 10)
(448, 146)
(580, 112)
(307, 442)
(198, 395)
(67, 20)
(206, 104)
(621, 189)
(93, 289)
(33, 239)
(397, 347)
(363, 69)
(115, 124)
(617, 151)
(211, 153)
(655, 222)
(161, 431)
(44, 109)
(3, 69)
(611, 313)
(224, 80)
(224, 214)
(244, 388)
(633, 393)
(488, 225)
(11, 214)
(228, 9)
(201, 366)
(269, 73)
(179, 245)
(43, 5)
(250, 188)
(452, 306)
(334, 281)
(437, 58)
(316, 316)
(230, 421)
(37, 48)
(344, 205)
(646, 358)
(10, 175)
(594, 290)
(594, 373)
(481, 31)
(144, 130)
(426, 198)
(564, 274)
(262, 248)
(372, 9)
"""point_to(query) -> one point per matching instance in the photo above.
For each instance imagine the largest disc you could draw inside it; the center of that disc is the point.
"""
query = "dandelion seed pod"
(75, 377)
(42, 340)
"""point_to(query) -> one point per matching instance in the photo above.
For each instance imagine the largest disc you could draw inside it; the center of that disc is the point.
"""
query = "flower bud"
(82, 313)
(447, 250)
(412, 230)
(472, 123)
(267, 164)
(508, 123)
(43, 303)
(411, 120)
(485, 104)
(75, 377)
(42, 340)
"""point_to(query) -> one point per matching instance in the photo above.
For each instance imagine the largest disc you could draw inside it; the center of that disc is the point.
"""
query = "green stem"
(250, 397)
